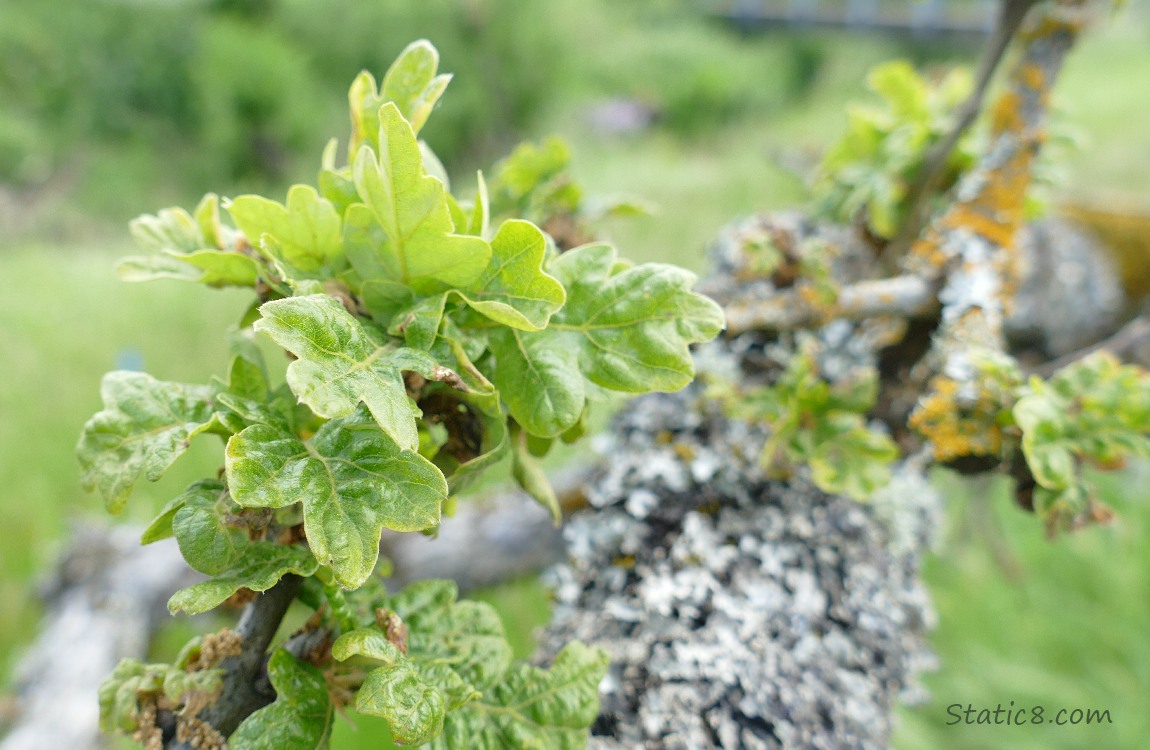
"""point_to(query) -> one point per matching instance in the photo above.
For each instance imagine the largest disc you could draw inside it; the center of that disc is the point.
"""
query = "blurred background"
(709, 110)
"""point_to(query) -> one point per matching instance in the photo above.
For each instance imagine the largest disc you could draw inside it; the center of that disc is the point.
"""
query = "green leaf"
(855, 462)
(120, 693)
(539, 377)
(339, 365)
(413, 708)
(513, 289)
(216, 268)
(352, 479)
(395, 691)
(633, 324)
(171, 230)
(304, 236)
(468, 636)
(419, 324)
(532, 182)
(146, 424)
(532, 707)
(161, 526)
(624, 328)
(412, 84)
(403, 230)
(1046, 423)
(187, 249)
(480, 220)
(200, 525)
(260, 567)
(367, 642)
(529, 474)
(901, 86)
(301, 717)
(207, 217)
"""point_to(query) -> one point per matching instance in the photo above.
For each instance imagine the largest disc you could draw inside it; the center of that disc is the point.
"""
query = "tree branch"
(972, 245)
(246, 688)
(906, 296)
(1010, 16)
(1131, 344)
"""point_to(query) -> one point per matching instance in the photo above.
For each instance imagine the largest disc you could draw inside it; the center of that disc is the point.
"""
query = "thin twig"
(1131, 344)
(906, 296)
(1010, 17)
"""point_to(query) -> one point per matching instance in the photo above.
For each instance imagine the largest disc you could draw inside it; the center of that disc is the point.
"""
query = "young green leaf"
(622, 328)
(304, 236)
(532, 707)
(403, 231)
(172, 230)
(201, 529)
(145, 426)
(120, 693)
(339, 365)
(850, 459)
(260, 567)
(352, 479)
(301, 717)
(412, 84)
(514, 290)
(188, 249)
(395, 691)
(539, 377)
(467, 636)
(419, 323)
(529, 475)
(212, 267)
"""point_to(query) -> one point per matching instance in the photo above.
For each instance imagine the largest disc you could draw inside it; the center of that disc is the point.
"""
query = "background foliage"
(111, 108)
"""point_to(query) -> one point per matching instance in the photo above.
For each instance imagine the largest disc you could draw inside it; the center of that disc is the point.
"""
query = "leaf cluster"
(1095, 414)
(865, 176)
(820, 424)
(428, 336)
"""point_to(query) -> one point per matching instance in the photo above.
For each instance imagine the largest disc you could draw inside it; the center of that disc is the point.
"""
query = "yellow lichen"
(958, 429)
(1032, 76)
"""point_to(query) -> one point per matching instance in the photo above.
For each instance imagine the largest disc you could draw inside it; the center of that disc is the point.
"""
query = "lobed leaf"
(411, 82)
(188, 248)
(206, 540)
(304, 236)
(532, 707)
(514, 290)
(403, 231)
(301, 716)
(146, 424)
(260, 567)
(622, 328)
(339, 365)
(352, 479)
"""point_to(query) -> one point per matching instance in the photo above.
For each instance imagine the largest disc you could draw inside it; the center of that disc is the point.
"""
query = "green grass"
(1070, 632)
(1057, 624)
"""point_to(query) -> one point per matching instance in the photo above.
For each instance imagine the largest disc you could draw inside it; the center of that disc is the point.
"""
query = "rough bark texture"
(740, 612)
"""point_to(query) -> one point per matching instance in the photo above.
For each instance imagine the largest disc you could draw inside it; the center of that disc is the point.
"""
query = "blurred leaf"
(532, 707)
